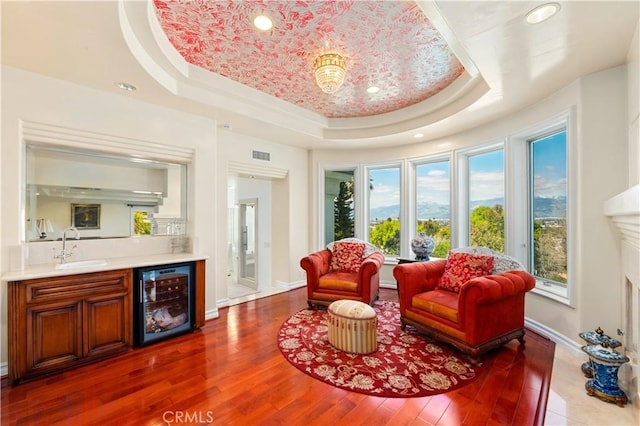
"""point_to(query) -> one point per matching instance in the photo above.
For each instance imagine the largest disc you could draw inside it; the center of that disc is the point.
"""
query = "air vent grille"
(261, 155)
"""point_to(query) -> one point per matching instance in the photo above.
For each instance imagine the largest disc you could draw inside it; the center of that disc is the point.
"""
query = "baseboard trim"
(290, 286)
(212, 314)
(558, 338)
(388, 284)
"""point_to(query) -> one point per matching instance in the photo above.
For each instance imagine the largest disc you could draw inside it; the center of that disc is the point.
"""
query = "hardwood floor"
(232, 372)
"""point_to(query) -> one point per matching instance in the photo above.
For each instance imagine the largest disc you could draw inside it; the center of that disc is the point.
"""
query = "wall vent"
(260, 155)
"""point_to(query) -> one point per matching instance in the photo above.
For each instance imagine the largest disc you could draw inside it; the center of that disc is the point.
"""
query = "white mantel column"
(624, 212)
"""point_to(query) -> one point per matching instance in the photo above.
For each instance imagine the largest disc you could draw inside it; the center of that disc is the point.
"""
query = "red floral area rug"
(405, 364)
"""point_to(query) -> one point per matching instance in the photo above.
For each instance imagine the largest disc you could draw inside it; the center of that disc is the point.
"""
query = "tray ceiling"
(390, 44)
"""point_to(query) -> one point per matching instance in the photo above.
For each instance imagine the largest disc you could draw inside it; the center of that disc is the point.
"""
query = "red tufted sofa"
(486, 313)
(324, 287)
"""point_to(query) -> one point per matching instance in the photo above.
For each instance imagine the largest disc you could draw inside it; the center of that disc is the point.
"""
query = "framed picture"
(85, 216)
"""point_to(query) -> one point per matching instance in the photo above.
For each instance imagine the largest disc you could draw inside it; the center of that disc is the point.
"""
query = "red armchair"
(325, 286)
(487, 312)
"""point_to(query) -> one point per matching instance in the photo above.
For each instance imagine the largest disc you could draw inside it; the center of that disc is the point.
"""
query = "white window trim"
(412, 187)
(322, 169)
(519, 183)
(401, 165)
(462, 197)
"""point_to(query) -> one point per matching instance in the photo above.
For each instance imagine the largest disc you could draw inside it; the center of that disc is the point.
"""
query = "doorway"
(248, 249)
(249, 265)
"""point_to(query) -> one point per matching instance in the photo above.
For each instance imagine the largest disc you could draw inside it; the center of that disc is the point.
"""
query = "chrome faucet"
(64, 254)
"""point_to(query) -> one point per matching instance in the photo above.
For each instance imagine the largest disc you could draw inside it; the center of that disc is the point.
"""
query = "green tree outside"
(386, 236)
(550, 250)
(487, 227)
(343, 212)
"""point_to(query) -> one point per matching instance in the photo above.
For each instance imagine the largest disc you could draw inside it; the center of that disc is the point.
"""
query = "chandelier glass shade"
(330, 70)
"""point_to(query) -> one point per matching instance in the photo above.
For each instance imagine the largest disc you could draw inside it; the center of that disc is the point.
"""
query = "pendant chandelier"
(330, 70)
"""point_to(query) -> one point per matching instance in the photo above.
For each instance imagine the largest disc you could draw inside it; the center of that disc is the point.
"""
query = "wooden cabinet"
(60, 322)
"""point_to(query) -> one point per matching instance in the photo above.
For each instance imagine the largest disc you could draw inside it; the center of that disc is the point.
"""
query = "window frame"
(521, 142)
(413, 204)
(357, 202)
(401, 166)
(463, 207)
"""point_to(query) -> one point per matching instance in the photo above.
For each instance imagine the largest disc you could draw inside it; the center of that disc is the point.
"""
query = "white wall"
(31, 97)
(289, 219)
(600, 101)
(633, 90)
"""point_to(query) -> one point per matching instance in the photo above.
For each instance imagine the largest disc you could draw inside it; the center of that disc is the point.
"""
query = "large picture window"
(338, 205)
(433, 204)
(548, 201)
(384, 209)
(486, 199)
(511, 195)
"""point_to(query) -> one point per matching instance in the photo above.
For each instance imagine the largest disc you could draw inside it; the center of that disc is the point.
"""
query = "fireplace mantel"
(624, 212)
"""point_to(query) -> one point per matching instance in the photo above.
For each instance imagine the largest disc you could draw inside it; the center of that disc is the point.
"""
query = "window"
(141, 220)
(384, 209)
(486, 199)
(433, 204)
(338, 205)
(548, 201)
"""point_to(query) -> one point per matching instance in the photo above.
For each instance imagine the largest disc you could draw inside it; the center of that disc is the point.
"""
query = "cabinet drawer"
(75, 286)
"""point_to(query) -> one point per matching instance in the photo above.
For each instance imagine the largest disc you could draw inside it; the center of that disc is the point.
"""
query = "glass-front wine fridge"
(164, 301)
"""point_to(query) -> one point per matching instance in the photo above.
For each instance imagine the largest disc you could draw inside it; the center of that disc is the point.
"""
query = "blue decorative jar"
(595, 338)
(422, 246)
(605, 362)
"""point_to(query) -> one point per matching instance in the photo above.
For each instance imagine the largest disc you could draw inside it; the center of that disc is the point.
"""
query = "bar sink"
(82, 264)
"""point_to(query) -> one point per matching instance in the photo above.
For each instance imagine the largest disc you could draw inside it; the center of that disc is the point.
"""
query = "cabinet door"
(54, 336)
(107, 324)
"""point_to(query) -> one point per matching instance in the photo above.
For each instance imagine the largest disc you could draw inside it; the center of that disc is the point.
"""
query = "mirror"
(103, 196)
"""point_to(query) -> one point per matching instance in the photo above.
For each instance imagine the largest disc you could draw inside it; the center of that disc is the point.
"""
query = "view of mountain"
(543, 208)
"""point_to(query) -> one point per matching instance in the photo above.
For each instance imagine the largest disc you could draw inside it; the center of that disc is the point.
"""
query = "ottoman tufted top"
(351, 309)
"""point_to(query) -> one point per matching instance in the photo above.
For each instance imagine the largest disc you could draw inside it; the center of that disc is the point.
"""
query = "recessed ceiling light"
(418, 135)
(263, 23)
(542, 13)
(125, 86)
(373, 89)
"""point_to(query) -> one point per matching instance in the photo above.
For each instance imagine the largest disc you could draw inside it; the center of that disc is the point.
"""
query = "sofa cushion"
(346, 256)
(443, 304)
(461, 267)
(343, 281)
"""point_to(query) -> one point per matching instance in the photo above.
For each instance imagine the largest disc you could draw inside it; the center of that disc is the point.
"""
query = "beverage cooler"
(164, 302)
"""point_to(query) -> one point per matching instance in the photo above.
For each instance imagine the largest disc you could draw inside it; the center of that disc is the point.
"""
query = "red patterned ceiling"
(390, 44)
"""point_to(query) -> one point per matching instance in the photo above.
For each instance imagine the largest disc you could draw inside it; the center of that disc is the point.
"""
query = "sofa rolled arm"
(370, 266)
(315, 265)
(418, 277)
(492, 288)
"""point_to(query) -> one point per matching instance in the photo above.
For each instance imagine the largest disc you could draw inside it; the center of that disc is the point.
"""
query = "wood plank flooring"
(232, 373)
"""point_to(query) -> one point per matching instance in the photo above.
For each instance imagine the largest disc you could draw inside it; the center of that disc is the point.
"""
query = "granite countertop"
(49, 269)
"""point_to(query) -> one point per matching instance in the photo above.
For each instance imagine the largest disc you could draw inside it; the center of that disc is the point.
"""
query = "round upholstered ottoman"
(353, 326)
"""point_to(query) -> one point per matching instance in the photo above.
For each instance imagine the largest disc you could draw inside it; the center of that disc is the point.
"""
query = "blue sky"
(486, 176)
(550, 167)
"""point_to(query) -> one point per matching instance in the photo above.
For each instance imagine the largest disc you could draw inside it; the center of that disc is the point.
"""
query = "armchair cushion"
(461, 267)
(344, 281)
(443, 304)
(346, 257)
